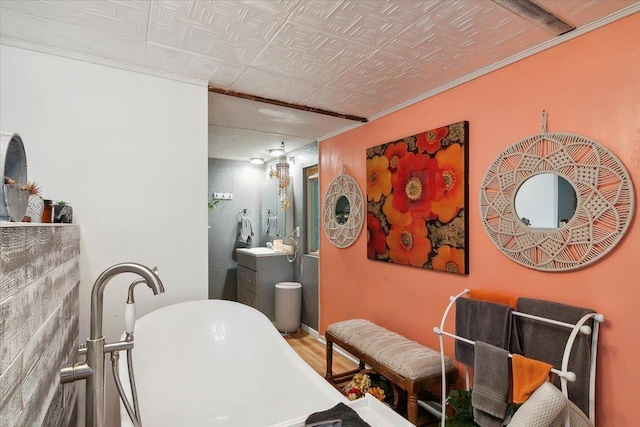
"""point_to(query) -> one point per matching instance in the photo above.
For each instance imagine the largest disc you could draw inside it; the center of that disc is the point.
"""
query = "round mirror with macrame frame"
(603, 210)
(343, 213)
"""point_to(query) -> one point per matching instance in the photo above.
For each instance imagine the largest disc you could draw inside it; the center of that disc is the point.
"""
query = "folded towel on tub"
(481, 321)
(347, 415)
(490, 385)
(546, 342)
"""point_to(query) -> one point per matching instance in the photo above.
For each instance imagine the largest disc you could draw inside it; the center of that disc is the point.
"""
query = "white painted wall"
(129, 152)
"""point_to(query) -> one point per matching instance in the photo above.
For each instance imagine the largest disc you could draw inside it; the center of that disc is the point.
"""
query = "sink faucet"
(93, 369)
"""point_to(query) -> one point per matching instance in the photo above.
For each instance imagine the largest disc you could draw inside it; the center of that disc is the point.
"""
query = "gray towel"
(349, 417)
(481, 321)
(246, 229)
(546, 342)
(490, 385)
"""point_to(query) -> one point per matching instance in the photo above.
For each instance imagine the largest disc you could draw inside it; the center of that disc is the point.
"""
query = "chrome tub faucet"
(92, 370)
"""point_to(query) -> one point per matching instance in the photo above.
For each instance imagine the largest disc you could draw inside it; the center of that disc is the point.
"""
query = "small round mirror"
(546, 200)
(342, 210)
(343, 213)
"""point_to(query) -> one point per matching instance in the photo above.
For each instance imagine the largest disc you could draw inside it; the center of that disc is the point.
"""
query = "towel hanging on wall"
(245, 227)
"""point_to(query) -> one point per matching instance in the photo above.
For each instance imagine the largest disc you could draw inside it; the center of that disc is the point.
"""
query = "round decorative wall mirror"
(343, 211)
(580, 192)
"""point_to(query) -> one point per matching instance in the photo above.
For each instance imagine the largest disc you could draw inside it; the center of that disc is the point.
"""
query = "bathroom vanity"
(259, 269)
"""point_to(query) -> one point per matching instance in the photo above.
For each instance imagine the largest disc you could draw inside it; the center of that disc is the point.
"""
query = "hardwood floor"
(313, 352)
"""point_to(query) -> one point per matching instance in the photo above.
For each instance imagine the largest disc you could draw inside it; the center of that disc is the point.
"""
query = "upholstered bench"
(407, 364)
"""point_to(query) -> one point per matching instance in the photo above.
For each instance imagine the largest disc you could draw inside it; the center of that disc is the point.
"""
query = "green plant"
(460, 401)
(213, 203)
(61, 203)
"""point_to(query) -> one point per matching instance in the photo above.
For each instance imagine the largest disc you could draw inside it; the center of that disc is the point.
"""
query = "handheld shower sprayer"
(296, 244)
(130, 307)
(129, 325)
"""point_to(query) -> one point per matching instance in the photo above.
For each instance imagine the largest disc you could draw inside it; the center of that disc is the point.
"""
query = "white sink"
(260, 251)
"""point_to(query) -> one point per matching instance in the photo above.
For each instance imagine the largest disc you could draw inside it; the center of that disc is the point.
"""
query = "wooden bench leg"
(334, 379)
(412, 408)
(329, 374)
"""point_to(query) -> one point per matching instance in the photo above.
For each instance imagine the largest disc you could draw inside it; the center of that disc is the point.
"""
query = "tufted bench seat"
(407, 364)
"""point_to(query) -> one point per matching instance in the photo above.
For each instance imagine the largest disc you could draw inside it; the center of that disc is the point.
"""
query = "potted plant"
(62, 213)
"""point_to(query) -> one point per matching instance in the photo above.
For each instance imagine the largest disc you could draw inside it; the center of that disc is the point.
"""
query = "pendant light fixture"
(281, 172)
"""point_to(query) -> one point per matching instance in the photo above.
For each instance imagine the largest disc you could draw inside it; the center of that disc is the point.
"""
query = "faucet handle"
(74, 371)
(129, 317)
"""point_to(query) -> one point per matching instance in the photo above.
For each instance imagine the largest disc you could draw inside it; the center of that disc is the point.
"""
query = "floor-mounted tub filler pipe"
(92, 370)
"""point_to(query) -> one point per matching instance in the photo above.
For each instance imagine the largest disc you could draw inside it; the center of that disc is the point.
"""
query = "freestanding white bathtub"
(220, 363)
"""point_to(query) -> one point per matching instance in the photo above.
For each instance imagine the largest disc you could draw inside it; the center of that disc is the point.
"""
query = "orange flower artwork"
(451, 166)
(449, 259)
(431, 141)
(409, 244)
(417, 198)
(375, 237)
(378, 178)
(394, 153)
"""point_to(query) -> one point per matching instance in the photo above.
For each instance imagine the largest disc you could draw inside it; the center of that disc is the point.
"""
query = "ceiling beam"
(250, 97)
(537, 15)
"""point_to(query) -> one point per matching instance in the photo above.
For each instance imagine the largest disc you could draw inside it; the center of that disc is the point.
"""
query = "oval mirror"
(343, 213)
(342, 210)
(546, 200)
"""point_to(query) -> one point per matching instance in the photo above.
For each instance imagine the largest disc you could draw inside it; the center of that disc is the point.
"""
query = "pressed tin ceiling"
(355, 57)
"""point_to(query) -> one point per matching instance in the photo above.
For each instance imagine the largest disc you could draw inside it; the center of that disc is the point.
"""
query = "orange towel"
(496, 297)
(528, 375)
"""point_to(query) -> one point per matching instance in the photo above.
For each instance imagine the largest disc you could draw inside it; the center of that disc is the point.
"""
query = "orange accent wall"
(589, 86)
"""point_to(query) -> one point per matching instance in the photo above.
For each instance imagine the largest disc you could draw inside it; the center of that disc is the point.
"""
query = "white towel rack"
(564, 374)
(570, 376)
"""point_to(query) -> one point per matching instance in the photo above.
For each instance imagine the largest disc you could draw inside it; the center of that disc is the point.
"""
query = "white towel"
(246, 229)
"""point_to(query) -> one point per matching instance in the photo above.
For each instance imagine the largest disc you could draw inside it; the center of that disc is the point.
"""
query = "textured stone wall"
(39, 281)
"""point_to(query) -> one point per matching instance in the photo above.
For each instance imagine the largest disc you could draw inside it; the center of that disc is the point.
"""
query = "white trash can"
(288, 306)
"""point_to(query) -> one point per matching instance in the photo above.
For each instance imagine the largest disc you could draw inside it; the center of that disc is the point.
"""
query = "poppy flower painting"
(417, 198)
